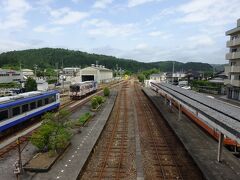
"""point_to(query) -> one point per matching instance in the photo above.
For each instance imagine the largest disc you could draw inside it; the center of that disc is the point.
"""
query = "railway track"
(111, 160)
(70, 105)
(164, 156)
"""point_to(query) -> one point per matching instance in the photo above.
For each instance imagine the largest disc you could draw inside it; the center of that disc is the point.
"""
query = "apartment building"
(233, 68)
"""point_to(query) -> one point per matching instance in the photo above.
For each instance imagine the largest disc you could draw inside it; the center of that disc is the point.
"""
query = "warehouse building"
(8, 76)
(96, 73)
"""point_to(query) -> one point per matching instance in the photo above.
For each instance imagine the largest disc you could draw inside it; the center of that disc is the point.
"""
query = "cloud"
(9, 45)
(66, 16)
(213, 12)
(200, 41)
(156, 33)
(99, 27)
(162, 14)
(13, 13)
(102, 4)
(141, 46)
(133, 3)
(43, 29)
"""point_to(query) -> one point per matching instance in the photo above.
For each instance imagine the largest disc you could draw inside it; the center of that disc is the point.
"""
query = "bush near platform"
(54, 134)
(84, 118)
(94, 103)
(100, 99)
(106, 91)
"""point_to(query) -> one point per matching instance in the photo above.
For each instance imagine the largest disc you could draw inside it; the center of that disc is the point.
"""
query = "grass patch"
(82, 119)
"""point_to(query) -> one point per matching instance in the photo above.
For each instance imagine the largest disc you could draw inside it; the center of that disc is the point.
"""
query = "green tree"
(30, 85)
(53, 134)
(141, 77)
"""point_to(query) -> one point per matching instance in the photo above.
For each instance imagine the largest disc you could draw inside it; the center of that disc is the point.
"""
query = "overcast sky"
(144, 30)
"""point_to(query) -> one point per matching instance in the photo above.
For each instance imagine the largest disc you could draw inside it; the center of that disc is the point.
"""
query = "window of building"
(16, 111)
(24, 108)
(3, 115)
(32, 105)
(233, 63)
(39, 103)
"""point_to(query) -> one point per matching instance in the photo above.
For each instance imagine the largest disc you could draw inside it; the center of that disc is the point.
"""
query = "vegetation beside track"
(83, 119)
(54, 134)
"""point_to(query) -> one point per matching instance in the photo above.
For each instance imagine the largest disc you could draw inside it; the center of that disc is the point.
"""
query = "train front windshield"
(74, 88)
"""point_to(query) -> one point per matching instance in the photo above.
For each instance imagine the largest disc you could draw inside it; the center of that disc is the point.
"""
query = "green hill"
(49, 57)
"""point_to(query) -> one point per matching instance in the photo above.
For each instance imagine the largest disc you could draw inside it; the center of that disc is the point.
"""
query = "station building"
(96, 73)
(233, 68)
(8, 76)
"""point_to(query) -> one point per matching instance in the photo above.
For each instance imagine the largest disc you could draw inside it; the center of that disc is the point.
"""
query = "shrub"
(99, 99)
(106, 91)
(94, 103)
(84, 118)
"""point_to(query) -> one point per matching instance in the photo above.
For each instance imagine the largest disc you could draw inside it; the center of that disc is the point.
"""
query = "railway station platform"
(202, 148)
(72, 162)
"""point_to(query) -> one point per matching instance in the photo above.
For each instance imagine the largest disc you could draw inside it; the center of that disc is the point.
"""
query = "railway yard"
(138, 134)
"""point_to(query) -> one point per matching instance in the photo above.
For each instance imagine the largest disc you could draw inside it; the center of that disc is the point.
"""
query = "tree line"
(51, 58)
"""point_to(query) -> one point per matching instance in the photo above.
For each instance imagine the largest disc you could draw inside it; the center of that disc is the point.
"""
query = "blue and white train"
(20, 108)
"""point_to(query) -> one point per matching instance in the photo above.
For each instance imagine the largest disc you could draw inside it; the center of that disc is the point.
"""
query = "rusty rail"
(164, 168)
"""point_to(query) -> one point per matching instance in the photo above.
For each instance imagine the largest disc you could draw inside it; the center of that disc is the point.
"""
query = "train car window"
(52, 99)
(32, 105)
(46, 101)
(39, 103)
(3, 115)
(25, 108)
(16, 111)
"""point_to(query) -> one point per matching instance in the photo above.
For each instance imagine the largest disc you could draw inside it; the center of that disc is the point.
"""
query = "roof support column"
(165, 99)
(179, 111)
(220, 146)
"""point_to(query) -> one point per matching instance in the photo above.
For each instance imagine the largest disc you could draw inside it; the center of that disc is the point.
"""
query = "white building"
(27, 73)
(177, 76)
(8, 76)
(97, 73)
(161, 77)
(71, 71)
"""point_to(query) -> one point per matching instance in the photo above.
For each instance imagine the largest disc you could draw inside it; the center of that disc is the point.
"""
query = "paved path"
(200, 146)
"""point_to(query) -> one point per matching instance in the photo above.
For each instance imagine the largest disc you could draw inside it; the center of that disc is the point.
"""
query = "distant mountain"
(218, 67)
(49, 57)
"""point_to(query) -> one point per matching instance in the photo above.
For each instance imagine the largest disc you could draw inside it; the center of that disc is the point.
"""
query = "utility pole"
(173, 72)
(62, 77)
(57, 71)
(35, 71)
